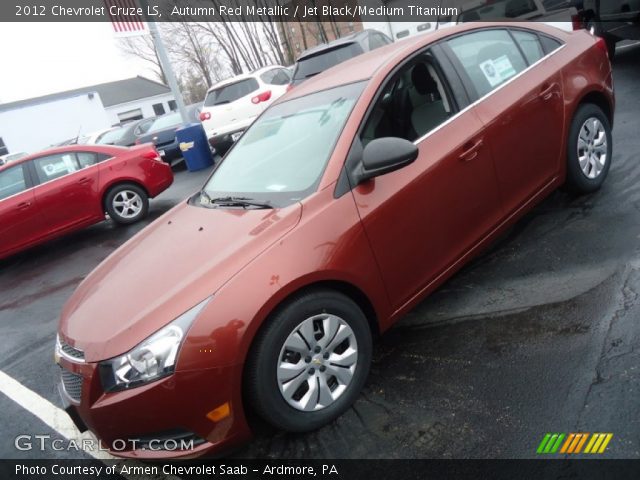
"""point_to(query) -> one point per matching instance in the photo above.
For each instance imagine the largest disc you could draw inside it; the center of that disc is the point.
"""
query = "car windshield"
(111, 136)
(310, 66)
(166, 121)
(231, 92)
(281, 157)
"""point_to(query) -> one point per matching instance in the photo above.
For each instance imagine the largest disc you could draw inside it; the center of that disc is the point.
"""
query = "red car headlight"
(152, 359)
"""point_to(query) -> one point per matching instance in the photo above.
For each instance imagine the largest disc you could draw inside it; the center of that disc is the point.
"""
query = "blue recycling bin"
(194, 146)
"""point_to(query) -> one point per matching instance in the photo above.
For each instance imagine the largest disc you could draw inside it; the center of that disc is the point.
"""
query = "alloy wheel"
(592, 148)
(127, 204)
(317, 362)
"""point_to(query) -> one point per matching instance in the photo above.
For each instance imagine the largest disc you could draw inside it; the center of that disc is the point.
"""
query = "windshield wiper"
(238, 202)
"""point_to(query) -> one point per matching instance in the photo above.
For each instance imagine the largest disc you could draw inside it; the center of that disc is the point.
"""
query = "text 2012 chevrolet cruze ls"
(339, 209)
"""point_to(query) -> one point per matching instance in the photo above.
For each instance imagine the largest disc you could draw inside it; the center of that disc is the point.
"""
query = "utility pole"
(164, 61)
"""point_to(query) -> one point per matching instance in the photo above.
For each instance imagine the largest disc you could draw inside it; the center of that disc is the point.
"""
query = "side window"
(267, 77)
(55, 166)
(376, 41)
(143, 127)
(530, 45)
(277, 76)
(86, 159)
(490, 58)
(281, 77)
(549, 44)
(12, 181)
(411, 105)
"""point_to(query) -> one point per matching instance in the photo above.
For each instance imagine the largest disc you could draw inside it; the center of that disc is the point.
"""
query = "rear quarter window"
(549, 44)
(530, 45)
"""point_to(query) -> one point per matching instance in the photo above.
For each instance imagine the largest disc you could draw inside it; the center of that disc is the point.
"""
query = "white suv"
(233, 104)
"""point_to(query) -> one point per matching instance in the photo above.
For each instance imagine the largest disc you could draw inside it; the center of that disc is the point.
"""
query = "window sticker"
(497, 70)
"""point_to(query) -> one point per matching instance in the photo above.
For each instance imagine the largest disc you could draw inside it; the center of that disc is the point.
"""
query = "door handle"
(547, 92)
(84, 181)
(471, 150)
(23, 205)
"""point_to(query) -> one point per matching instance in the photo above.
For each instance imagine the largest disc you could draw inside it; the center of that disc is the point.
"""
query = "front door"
(20, 221)
(421, 219)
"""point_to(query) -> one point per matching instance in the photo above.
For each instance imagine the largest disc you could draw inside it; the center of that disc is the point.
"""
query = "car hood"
(166, 269)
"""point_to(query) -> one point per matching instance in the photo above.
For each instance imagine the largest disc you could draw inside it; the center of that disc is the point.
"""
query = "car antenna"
(78, 135)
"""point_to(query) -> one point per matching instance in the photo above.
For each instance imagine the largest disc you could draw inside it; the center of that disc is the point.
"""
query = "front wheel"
(590, 148)
(309, 362)
(127, 203)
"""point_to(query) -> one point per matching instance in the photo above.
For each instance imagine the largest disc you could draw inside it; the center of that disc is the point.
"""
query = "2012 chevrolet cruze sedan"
(339, 209)
(61, 190)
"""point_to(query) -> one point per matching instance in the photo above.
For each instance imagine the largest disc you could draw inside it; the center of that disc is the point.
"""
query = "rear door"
(20, 221)
(518, 91)
(68, 189)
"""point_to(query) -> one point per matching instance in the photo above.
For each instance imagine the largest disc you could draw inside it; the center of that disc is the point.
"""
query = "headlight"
(151, 360)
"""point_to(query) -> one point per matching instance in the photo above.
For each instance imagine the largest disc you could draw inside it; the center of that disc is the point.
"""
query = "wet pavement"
(539, 334)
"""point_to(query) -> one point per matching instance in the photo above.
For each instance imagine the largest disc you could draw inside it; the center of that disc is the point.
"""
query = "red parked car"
(345, 203)
(63, 189)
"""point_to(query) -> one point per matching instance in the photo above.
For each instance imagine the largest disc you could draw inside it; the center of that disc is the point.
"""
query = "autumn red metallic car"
(48, 194)
(344, 204)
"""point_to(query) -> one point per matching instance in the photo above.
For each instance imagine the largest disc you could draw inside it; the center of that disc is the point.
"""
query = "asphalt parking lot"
(540, 334)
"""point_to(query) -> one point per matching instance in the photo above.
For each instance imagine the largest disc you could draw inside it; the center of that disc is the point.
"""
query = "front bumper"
(126, 421)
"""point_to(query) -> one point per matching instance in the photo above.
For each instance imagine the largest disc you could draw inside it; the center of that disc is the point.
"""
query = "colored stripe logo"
(574, 443)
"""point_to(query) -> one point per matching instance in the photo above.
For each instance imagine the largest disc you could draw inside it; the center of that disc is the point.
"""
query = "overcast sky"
(42, 58)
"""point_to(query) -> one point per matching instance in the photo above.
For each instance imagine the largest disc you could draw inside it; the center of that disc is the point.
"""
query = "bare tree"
(142, 47)
(191, 50)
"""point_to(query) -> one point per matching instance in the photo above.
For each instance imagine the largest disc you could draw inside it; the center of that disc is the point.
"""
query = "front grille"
(72, 384)
(71, 351)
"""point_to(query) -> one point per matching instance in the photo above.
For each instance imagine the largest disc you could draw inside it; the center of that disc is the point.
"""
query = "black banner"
(286, 10)
(541, 469)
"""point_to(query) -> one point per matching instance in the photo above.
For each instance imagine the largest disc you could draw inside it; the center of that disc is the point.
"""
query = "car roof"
(347, 39)
(64, 149)
(365, 66)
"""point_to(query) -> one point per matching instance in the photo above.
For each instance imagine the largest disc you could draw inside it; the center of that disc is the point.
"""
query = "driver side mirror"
(385, 155)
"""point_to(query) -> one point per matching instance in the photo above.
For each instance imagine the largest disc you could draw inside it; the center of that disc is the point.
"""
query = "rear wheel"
(127, 203)
(309, 363)
(589, 149)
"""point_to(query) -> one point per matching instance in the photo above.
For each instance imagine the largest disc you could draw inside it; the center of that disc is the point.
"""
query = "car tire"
(589, 149)
(341, 336)
(127, 203)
